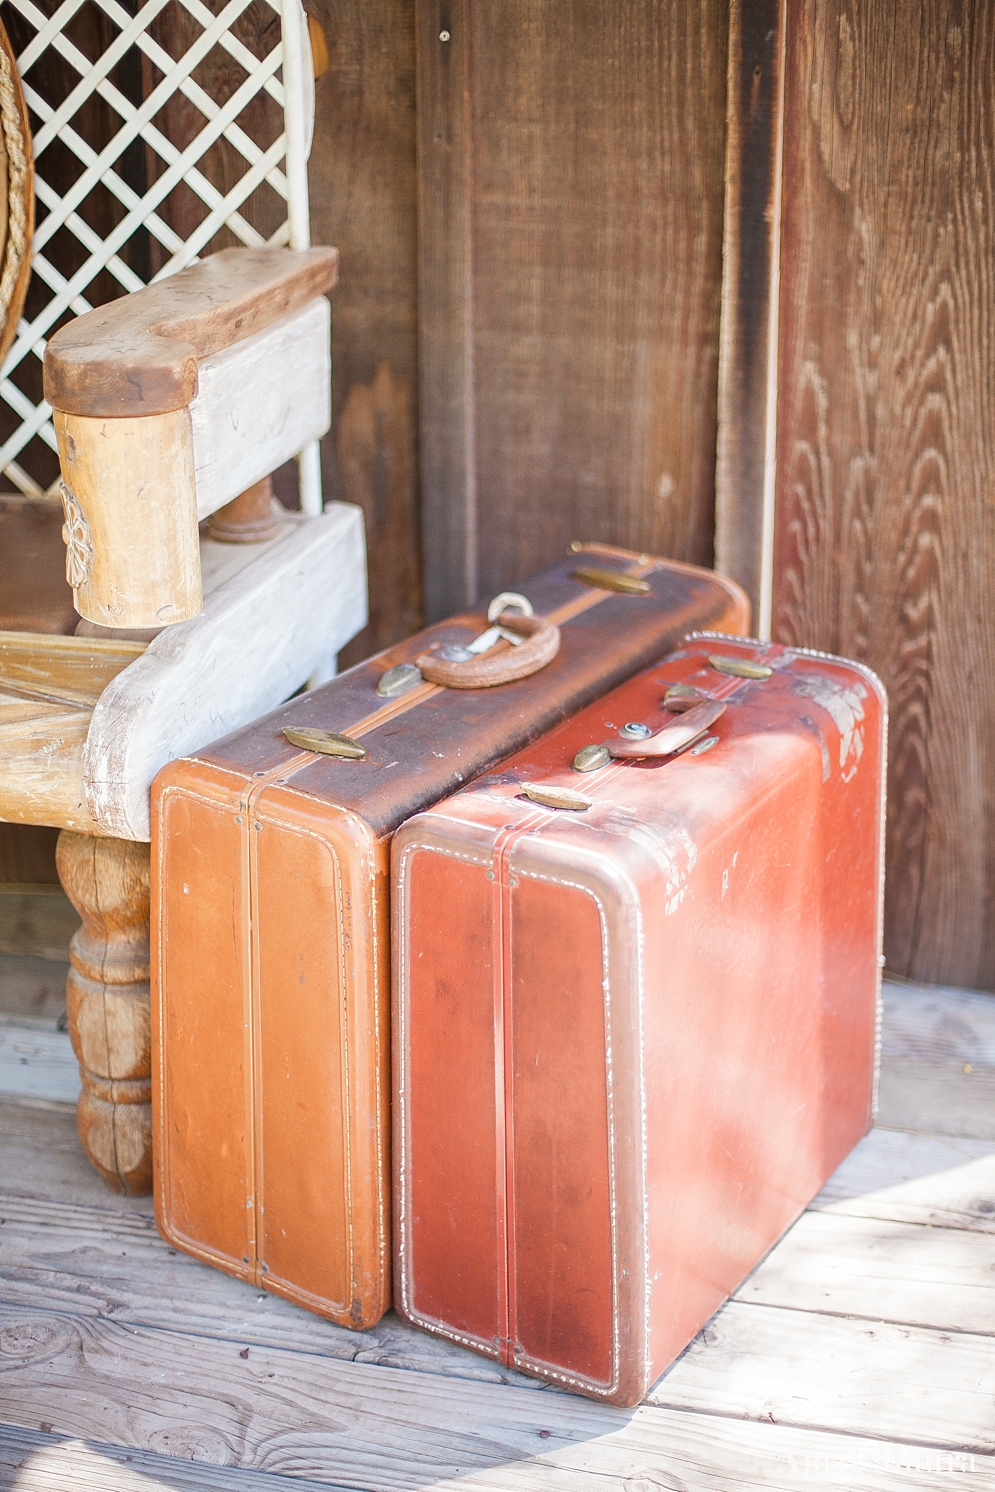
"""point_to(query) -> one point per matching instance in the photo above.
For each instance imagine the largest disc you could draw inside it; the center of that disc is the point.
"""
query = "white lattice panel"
(161, 131)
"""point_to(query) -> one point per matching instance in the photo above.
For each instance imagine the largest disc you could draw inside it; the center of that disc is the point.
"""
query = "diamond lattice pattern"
(159, 135)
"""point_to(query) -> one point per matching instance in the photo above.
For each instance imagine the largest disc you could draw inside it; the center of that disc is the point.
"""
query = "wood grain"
(750, 251)
(32, 987)
(138, 356)
(61, 670)
(796, 1368)
(885, 522)
(364, 199)
(34, 596)
(271, 619)
(376, 1428)
(259, 403)
(48, 688)
(899, 1176)
(570, 222)
(41, 1156)
(31, 1461)
(881, 1271)
(939, 1097)
(110, 1335)
(107, 1002)
(99, 1262)
(36, 1060)
(130, 497)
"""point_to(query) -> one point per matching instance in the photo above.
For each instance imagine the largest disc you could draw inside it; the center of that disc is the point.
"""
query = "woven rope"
(17, 218)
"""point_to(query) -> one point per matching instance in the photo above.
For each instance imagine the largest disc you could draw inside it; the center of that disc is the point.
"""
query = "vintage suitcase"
(270, 901)
(635, 1009)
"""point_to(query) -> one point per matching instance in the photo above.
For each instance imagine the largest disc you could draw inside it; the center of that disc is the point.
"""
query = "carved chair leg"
(107, 997)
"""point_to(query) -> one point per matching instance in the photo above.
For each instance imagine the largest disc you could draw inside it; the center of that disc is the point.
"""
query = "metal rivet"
(700, 747)
(444, 36)
(399, 680)
(635, 731)
(555, 797)
(740, 668)
(590, 758)
(611, 580)
(681, 697)
(454, 653)
(238, 818)
(325, 742)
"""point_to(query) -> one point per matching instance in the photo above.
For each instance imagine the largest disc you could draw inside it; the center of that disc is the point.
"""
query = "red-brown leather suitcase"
(635, 1009)
(270, 939)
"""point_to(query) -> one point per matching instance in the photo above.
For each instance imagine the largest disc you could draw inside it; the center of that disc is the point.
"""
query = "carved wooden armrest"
(169, 403)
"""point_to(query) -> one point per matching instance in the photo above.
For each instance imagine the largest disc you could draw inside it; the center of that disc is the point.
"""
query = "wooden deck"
(859, 1354)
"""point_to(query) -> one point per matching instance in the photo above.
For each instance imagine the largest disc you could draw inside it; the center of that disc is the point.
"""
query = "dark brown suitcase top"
(425, 744)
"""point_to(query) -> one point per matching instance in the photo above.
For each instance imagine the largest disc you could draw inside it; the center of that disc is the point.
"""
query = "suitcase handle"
(541, 645)
(681, 732)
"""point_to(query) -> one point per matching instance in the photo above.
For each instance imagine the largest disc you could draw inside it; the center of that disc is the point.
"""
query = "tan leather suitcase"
(635, 1009)
(270, 919)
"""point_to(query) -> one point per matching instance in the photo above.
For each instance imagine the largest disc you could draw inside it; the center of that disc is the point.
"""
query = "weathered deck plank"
(40, 1156)
(347, 1424)
(97, 1264)
(880, 1271)
(858, 1353)
(31, 1461)
(36, 1061)
(828, 1372)
(903, 1177)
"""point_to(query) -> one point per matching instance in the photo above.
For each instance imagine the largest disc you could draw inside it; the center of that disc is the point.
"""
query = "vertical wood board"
(570, 166)
(747, 342)
(885, 502)
(363, 199)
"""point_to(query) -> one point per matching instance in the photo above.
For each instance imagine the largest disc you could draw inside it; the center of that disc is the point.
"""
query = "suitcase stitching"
(427, 1323)
(161, 1169)
(382, 1245)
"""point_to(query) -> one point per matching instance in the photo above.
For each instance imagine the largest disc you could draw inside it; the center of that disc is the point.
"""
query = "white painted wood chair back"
(154, 197)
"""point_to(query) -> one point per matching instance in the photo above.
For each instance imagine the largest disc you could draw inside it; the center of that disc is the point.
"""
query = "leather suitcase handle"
(541, 647)
(680, 732)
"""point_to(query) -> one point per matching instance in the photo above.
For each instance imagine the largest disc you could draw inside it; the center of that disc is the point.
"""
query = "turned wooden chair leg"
(107, 998)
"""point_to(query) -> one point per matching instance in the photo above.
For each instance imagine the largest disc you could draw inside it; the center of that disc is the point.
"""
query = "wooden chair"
(171, 405)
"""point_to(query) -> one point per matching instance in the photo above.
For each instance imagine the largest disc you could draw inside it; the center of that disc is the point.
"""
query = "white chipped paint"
(843, 703)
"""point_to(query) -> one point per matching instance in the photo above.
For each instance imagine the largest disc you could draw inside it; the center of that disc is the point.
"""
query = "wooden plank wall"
(363, 199)
(570, 228)
(885, 497)
(526, 342)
